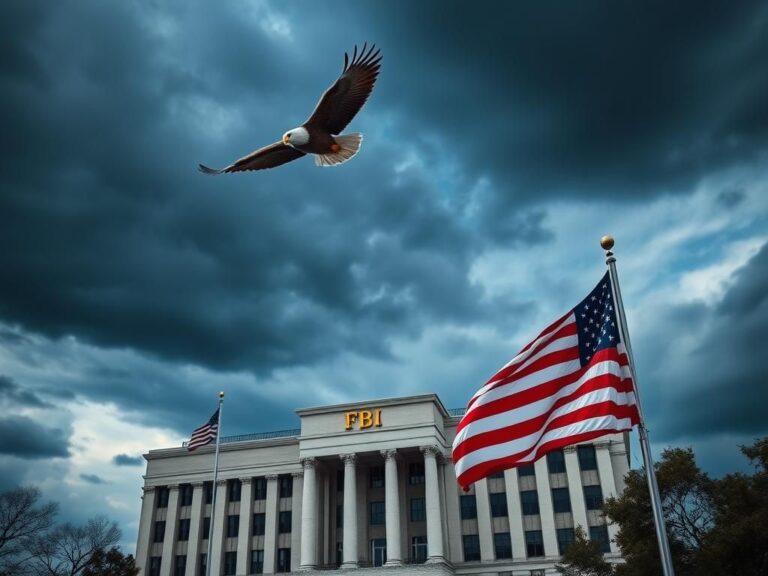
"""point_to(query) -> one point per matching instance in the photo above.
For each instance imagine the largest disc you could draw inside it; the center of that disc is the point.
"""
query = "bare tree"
(23, 519)
(68, 549)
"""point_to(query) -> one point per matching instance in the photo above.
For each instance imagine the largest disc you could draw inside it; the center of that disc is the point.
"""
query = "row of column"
(350, 554)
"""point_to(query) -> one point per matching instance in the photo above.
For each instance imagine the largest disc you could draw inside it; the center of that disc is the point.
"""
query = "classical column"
(607, 485)
(575, 489)
(270, 525)
(515, 511)
(392, 508)
(145, 529)
(296, 509)
(195, 525)
(217, 527)
(546, 510)
(484, 521)
(309, 516)
(245, 530)
(349, 546)
(432, 494)
(171, 520)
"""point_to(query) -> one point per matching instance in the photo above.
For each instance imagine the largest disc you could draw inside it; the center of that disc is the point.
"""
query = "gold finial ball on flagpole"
(221, 394)
(606, 242)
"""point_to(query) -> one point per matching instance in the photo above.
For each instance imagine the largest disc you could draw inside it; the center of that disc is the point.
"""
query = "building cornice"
(380, 403)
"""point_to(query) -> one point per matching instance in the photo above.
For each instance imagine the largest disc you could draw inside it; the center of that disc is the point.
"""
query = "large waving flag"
(571, 384)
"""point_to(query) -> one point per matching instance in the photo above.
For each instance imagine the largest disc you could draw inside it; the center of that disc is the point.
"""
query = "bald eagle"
(320, 134)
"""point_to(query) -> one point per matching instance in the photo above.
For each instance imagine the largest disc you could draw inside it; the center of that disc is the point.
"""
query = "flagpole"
(606, 242)
(213, 499)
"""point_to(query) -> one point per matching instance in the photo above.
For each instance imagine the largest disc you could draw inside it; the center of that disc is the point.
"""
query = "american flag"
(205, 433)
(571, 384)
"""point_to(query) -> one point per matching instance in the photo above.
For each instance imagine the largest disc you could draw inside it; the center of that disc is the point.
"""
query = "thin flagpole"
(213, 499)
(645, 446)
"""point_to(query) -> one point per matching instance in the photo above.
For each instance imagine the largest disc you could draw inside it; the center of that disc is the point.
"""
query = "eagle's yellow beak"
(285, 139)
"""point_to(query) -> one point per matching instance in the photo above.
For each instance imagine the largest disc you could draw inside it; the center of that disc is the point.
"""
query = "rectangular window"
(286, 487)
(556, 461)
(206, 527)
(233, 525)
(259, 521)
(230, 563)
(259, 488)
(497, 475)
(530, 502)
(203, 561)
(503, 545)
(257, 561)
(185, 495)
(376, 477)
(468, 506)
(528, 470)
(587, 457)
(339, 516)
(565, 537)
(154, 566)
(234, 489)
(498, 504)
(419, 549)
(159, 531)
(162, 496)
(208, 492)
(471, 547)
(416, 473)
(534, 543)
(183, 529)
(378, 551)
(561, 500)
(599, 534)
(418, 510)
(284, 522)
(593, 497)
(283, 560)
(339, 480)
(180, 565)
(376, 515)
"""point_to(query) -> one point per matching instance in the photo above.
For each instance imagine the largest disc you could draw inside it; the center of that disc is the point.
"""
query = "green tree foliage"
(584, 558)
(110, 563)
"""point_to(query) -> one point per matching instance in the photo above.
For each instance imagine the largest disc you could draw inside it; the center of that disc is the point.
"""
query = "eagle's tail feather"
(350, 144)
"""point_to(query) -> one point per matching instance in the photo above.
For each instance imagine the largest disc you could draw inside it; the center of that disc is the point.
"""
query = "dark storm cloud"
(12, 393)
(126, 460)
(93, 479)
(23, 437)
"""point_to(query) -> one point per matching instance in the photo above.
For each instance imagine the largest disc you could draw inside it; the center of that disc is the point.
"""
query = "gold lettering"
(377, 419)
(366, 419)
(349, 418)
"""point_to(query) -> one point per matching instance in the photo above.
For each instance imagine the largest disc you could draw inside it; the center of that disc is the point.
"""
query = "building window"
(185, 495)
(418, 510)
(530, 502)
(339, 480)
(498, 504)
(286, 487)
(376, 513)
(162, 497)
(208, 491)
(497, 475)
(234, 489)
(259, 488)
(230, 563)
(468, 506)
(206, 527)
(599, 534)
(416, 473)
(593, 497)
(587, 457)
(379, 551)
(233, 525)
(284, 522)
(556, 461)
(376, 477)
(159, 531)
(561, 501)
(534, 543)
(283, 560)
(471, 547)
(419, 549)
(259, 521)
(503, 545)
(339, 516)
(183, 529)
(180, 565)
(528, 470)
(257, 561)
(203, 561)
(565, 537)
(339, 554)
(154, 566)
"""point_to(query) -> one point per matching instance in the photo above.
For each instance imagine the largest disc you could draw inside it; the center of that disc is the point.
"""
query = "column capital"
(245, 481)
(604, 445)
(297, 474)
(349, 459)
(388, 455)
(569, 449)
(197, 484)
(308, 463)
(173, 487)
(148, 489)
(270, 477)
(221, 482)
(431, 451)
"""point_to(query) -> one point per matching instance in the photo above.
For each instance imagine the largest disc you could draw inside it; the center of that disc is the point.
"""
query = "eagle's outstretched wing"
(339, 104)
(267, 157)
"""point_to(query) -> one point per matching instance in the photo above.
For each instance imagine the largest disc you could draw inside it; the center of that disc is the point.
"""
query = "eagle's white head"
(296, 137)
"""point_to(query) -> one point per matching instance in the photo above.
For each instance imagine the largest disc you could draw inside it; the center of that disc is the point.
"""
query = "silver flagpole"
(645, 446)
(213, 499)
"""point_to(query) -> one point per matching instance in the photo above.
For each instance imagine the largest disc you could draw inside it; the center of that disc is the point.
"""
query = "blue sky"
(501, 142)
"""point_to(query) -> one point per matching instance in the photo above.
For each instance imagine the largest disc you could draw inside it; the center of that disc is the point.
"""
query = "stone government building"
(370, 484)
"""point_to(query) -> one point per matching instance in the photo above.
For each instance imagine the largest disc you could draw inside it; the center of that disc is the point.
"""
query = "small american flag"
(571, 384)
(205, 433)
